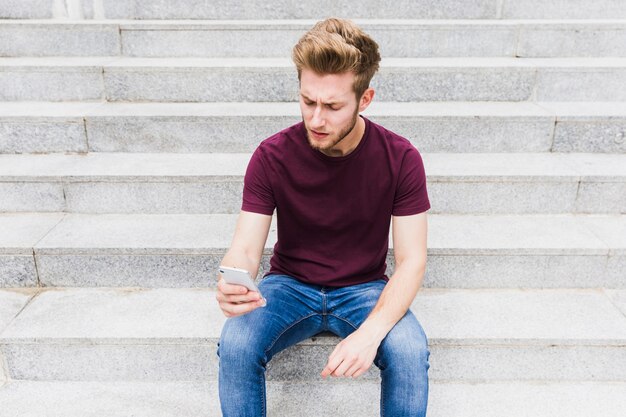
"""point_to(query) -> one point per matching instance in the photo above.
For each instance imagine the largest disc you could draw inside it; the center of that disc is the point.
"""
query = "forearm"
(239, 259)
(395, 299)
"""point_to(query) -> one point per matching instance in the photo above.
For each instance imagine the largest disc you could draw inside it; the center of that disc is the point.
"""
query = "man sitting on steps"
(337, 180)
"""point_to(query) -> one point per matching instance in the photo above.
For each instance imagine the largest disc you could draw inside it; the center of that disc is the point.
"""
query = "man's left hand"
(353, 355)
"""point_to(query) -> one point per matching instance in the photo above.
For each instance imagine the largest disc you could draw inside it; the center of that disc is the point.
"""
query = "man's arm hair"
(248, 242)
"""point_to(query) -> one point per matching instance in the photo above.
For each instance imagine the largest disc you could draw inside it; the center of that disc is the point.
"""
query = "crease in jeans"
(283, 332)
(354, 326)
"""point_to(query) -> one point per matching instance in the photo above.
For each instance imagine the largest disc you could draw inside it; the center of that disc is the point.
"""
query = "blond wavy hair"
(335, 46)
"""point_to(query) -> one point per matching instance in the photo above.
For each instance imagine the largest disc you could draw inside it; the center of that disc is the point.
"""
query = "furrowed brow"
(328, 102)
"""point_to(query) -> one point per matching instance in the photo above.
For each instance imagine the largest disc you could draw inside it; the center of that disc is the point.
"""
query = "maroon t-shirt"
(334, 213)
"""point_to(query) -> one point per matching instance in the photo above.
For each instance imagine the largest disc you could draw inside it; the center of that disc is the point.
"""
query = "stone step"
(171, 251)
(292, 9)
(275, 38)
(275, 80)
(135, 334)
(481, 183)
(39, 127)
(296, 399)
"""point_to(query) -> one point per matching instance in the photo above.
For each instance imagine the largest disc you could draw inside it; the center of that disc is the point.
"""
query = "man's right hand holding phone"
(236, 300)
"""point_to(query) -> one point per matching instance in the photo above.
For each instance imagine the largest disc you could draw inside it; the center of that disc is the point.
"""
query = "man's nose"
(318, 116)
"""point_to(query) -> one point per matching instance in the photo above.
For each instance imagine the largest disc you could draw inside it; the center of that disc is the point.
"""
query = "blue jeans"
(296, 311)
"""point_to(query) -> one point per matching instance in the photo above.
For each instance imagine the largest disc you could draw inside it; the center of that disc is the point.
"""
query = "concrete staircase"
(125, 130)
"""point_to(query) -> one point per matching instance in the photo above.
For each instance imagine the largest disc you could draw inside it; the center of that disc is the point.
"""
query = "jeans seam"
(285, 330)
(382, 399)
(346, 320)
(263, 394)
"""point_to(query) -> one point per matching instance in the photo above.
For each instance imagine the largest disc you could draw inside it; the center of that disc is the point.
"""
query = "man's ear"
(366, 99)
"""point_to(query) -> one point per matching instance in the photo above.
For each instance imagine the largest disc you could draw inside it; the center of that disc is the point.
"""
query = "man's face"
(329, 108)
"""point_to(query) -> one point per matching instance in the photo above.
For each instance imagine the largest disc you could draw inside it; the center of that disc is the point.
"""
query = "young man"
(336, 180)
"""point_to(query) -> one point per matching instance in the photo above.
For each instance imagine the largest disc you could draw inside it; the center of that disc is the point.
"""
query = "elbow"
(415, 264)
(414, 258)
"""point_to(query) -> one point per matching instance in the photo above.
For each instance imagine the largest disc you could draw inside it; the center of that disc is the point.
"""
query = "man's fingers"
(343, 367)
(244, 307)
(358, 373)
(239, 309)
(235, 300)
(326, 371)
(232, 293)
(238, 298)
(227, 288)
(333, 363)
(353, 369)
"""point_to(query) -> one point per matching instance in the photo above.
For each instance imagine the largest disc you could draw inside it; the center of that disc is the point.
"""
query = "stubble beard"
(341, 136)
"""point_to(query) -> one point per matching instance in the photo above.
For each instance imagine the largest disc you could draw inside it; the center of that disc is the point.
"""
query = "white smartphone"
(239, 276)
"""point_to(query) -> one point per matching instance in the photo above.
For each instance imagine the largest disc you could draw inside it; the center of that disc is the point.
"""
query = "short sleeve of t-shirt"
(257, 191)
(411, 196)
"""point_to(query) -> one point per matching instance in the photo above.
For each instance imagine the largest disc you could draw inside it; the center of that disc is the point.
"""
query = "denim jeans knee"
(404, 363)
(406, 341)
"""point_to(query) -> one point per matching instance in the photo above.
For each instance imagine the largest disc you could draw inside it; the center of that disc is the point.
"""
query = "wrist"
(375, 329)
